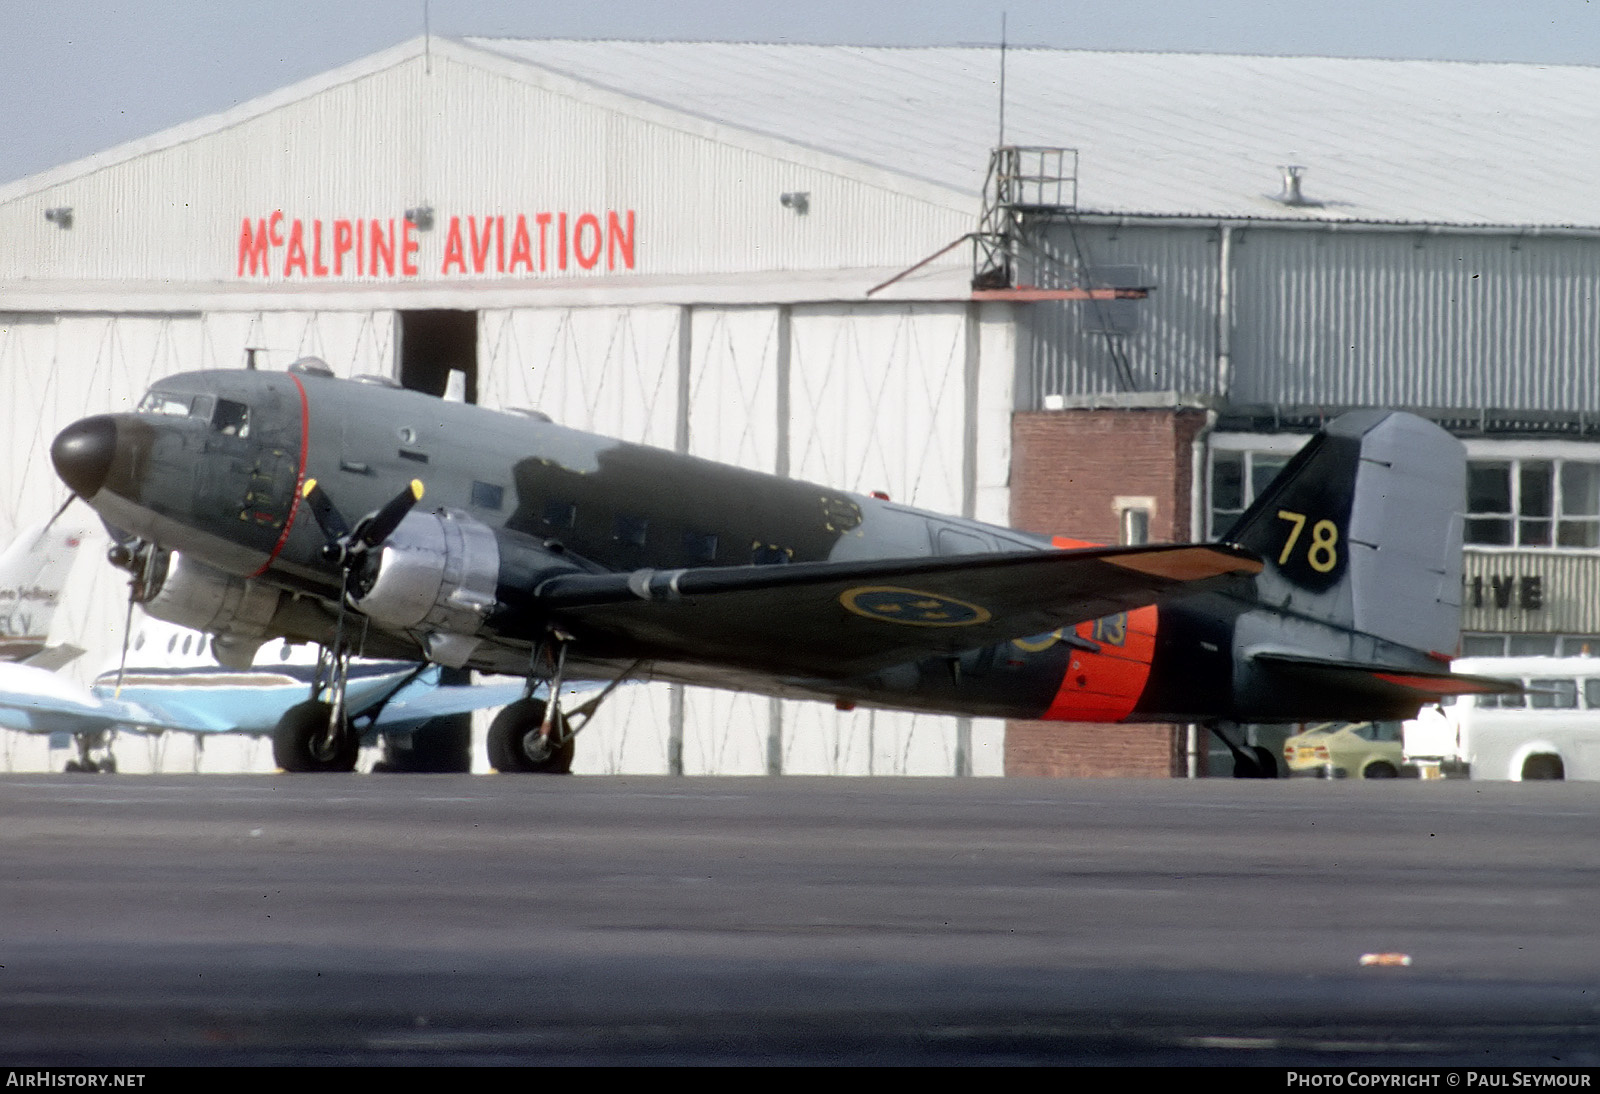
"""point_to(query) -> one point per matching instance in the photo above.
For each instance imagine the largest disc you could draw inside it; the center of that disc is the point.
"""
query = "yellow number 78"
(1323, 553)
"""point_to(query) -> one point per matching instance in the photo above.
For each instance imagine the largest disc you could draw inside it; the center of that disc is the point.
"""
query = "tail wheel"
(516, 745)
(1255, 762)
(1265, 761)
(1381, 769)
(301, 741)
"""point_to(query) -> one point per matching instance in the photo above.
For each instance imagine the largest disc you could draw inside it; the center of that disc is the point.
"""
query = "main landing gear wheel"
(302, 741)
(516, 745)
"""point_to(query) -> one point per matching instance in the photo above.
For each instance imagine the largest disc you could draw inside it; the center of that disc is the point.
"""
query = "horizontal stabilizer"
(1368, 678)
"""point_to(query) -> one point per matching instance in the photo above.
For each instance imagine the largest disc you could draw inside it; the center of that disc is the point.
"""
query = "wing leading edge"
(836, 620)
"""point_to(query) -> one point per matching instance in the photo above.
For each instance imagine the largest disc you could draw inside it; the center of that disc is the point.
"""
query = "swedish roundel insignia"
(911, 608)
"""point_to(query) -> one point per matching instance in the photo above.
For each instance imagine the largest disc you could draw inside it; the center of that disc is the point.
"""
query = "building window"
(1533, 503)
(1238, 475)
(1530, 645)
(1133, 520)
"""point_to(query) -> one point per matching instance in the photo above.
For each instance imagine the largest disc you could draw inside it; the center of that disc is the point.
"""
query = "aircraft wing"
(840, 619)
(36, 701)
(418, 702)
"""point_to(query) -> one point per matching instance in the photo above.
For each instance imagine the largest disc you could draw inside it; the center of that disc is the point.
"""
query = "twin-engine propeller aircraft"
(555, 555)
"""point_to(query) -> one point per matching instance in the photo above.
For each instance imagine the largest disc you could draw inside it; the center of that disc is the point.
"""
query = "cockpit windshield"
(167, 403)
(230, 418)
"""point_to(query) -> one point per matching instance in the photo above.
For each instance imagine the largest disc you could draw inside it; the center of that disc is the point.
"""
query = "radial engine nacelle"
(236, 610)
(435, 574)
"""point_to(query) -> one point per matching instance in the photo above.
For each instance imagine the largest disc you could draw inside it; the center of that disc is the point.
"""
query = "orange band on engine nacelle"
(1105, 686)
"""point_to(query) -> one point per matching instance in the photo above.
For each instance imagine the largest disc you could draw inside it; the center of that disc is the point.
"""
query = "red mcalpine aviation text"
(530, 243)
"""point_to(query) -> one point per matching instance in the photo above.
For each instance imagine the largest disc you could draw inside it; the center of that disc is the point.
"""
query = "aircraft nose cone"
(83, 452)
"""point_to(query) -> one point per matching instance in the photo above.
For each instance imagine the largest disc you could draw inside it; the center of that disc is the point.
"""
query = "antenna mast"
(1002, 140)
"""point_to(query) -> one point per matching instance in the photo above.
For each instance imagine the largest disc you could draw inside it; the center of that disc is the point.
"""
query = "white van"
(1550, 732)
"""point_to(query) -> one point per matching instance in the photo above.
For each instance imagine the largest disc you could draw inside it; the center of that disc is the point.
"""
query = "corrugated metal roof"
(1158, 133)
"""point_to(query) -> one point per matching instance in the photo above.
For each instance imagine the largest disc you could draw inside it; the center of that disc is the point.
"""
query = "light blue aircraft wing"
(35, 701)
(421, 700)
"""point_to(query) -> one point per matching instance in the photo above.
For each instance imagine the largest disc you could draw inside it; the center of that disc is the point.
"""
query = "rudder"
(1363, 530)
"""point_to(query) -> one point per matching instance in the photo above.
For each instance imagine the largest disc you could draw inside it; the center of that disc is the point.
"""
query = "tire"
(1380, 769)
(303, 723)
(1257, 762)
(1543, 767)
(514, 742)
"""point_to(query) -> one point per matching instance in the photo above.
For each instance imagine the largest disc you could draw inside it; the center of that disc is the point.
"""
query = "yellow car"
(1339, 750)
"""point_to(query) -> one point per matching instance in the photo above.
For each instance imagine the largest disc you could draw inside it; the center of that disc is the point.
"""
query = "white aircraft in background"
(33, 572)
(170, 680)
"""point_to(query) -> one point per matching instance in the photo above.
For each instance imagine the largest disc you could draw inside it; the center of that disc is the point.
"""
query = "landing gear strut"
(316, 735)
(86, 763)
(1249, 761)
(535, 736)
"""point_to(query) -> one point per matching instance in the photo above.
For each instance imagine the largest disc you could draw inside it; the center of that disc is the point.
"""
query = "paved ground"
(446, 919)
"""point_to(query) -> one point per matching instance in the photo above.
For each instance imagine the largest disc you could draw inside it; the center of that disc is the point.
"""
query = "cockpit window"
(231, 419)
(164, 402)
(172, 405)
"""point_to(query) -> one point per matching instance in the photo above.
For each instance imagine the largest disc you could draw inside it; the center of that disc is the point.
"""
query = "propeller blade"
(376, 528)
(328, 517)
(127, 632)
(52, 522)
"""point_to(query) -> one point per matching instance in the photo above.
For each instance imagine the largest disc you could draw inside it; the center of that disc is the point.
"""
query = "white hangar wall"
(482, 141)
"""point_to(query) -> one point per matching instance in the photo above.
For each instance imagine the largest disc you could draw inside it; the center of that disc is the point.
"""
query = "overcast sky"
(79, 76)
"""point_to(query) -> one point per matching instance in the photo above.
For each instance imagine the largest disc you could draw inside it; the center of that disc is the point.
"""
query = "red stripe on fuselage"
(299, 478)
(1105, 686)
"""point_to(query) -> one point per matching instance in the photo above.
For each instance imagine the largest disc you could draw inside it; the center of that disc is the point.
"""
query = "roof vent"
(1292, 193)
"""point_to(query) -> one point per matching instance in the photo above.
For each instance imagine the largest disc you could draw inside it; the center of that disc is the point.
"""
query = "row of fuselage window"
(696, 547)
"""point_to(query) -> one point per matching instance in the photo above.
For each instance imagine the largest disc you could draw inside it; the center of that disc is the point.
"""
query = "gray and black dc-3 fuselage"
(504, 542)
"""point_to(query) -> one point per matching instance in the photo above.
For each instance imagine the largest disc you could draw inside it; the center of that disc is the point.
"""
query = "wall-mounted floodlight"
(422, 217)
(60, 216)
(798, 200)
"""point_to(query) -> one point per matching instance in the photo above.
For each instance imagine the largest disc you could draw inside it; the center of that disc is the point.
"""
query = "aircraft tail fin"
(1362, 530)
(33, 573)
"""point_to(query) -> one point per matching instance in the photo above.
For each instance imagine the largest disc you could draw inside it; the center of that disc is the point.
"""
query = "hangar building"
(806, 259)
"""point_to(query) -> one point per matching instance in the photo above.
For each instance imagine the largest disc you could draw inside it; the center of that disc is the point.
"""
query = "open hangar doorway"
(434, 342)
